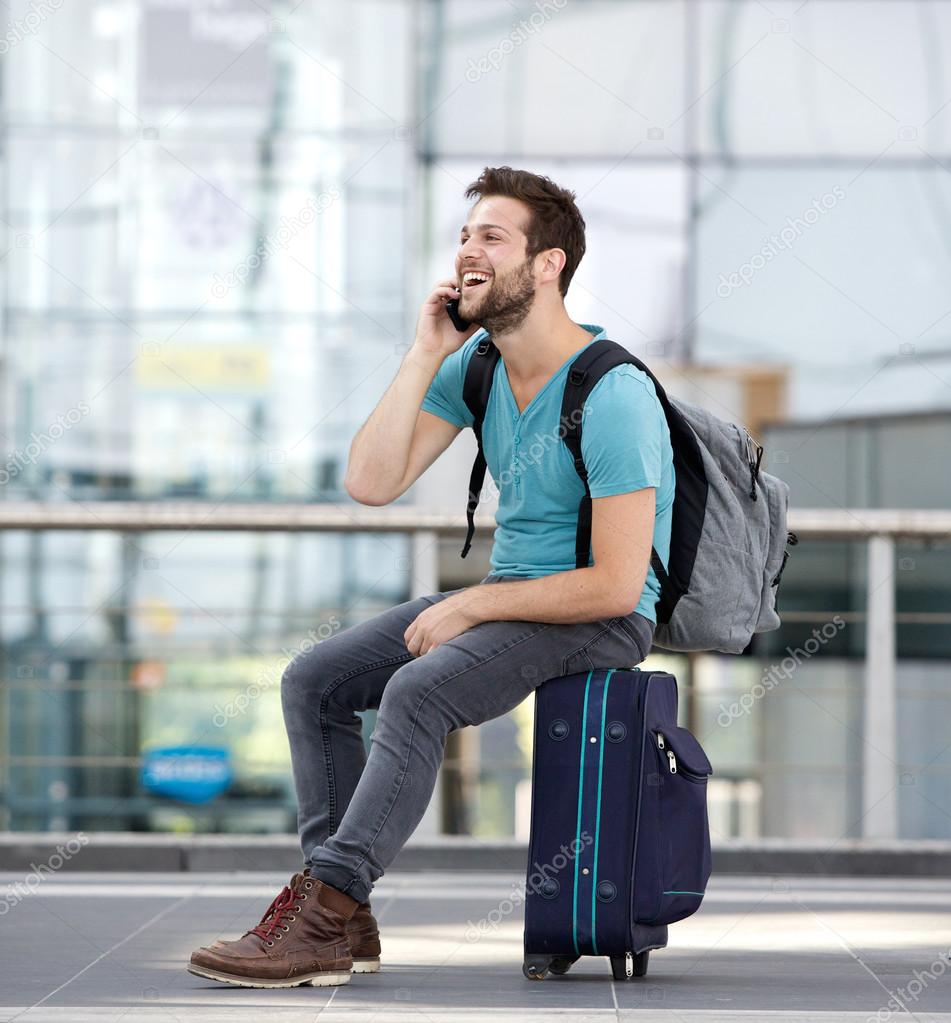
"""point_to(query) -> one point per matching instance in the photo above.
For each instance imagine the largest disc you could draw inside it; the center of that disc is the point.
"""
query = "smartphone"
(452, 307)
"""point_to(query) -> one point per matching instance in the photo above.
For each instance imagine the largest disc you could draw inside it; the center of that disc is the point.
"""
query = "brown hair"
(555, 221)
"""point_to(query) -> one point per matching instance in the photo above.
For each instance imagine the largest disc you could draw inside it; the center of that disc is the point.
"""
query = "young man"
(461, 657)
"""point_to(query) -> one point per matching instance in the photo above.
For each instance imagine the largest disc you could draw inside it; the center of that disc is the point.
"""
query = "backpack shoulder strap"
(475, 393)
(583, 375)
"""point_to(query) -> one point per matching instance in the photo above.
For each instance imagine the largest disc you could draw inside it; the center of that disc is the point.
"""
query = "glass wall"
(219, 221)
(764, 186)
(203, 209)
(206, 212)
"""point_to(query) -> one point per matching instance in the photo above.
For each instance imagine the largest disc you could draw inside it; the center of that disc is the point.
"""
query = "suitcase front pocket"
(680, 842)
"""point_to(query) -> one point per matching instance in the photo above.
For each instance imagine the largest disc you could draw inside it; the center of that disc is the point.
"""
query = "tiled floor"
(90, 948)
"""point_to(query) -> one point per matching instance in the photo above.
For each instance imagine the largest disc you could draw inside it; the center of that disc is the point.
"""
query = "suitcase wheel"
(625, 966)
(562, 964)
(535, 967)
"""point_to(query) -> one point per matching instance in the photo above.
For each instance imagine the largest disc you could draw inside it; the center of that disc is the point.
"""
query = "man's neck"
(536, 349)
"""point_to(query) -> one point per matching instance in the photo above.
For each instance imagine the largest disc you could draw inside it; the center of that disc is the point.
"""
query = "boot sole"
(369, 964)
(328, 978)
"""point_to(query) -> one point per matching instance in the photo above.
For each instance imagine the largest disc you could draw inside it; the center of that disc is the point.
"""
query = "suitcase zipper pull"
(671, 759)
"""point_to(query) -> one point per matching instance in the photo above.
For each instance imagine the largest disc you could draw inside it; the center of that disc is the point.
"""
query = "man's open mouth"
(473, 279)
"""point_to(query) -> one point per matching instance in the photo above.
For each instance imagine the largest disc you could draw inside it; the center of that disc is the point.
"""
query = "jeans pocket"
(434, 598)
(613, 646)
(638, 629)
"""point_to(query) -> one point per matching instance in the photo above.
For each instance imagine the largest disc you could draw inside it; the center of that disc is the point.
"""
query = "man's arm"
(398, 443)
(622, 530)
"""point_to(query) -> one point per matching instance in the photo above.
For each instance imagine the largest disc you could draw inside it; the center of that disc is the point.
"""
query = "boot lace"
(287, 902)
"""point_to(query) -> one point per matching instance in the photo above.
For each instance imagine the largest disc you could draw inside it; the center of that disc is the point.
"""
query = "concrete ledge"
(118, 851)
(851, 857)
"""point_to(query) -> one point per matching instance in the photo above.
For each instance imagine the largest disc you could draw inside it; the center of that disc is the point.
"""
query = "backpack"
(728, 540)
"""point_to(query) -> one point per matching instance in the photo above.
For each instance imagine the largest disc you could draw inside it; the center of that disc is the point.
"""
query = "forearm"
(379, 453)
(579, 595)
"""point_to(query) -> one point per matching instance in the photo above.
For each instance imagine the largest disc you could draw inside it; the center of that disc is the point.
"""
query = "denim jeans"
(356, 811)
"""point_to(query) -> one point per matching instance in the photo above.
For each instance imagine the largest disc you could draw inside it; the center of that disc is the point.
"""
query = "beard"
(506, 303)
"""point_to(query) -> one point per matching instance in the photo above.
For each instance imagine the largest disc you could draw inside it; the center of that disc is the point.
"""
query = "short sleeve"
(444, 396)
(624, 433)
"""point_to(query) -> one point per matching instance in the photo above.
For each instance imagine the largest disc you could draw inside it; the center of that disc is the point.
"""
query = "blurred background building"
(219, 219)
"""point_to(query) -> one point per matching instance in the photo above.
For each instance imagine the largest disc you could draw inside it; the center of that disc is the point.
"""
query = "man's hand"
(440, 622)
(621, 530)
(435, 332)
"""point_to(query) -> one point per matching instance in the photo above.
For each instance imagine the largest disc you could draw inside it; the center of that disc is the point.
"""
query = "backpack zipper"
(754, 455)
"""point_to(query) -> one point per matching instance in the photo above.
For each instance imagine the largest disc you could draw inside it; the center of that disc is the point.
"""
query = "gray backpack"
(728, 541)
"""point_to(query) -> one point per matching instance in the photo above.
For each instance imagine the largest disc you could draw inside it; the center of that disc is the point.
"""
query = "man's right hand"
(436, 334)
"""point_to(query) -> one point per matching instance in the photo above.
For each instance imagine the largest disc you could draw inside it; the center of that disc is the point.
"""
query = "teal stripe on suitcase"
(597, 821)
(584, 733)
(594, 710)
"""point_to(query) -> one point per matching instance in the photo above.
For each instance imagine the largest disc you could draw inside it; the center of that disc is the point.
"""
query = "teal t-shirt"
(625, 441)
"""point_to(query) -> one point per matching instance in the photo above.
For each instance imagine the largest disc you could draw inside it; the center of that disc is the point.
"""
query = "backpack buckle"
(577, 376)
(483, 346)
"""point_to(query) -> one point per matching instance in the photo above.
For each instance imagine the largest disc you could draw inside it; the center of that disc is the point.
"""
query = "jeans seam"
(325, 729)
(631, 633)
(409, 742)
(585, 647)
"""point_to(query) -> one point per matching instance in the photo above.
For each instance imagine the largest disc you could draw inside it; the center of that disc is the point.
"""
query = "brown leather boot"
(364, 937)
(301, 939)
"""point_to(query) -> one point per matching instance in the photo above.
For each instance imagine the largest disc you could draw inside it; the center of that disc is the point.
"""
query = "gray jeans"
(355, 811)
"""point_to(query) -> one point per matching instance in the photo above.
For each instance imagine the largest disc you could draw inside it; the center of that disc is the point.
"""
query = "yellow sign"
(241, 368)
(157, 615)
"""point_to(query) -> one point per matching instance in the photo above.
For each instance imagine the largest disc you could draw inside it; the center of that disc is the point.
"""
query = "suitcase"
(620, 840)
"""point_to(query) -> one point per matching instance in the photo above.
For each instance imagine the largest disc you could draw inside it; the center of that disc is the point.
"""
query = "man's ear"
(552, 263)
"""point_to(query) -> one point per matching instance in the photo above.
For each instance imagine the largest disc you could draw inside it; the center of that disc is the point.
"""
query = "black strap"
(475, 392)
(476, 479)
(584, 373)
(586, 370)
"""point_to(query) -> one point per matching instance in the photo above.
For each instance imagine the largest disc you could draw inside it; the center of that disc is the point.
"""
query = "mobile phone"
(459, 322)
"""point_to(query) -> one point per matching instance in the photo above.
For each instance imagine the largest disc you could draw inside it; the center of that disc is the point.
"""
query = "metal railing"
(880, 528)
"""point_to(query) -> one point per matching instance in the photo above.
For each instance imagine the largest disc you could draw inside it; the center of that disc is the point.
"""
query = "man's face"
(493, 243)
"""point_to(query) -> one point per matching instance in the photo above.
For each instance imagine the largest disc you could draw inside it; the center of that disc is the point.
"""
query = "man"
(447, 660)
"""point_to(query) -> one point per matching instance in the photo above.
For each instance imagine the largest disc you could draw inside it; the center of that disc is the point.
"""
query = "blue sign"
(192, 774)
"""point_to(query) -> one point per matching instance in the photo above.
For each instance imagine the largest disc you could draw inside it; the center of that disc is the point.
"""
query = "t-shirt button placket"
(515, 468)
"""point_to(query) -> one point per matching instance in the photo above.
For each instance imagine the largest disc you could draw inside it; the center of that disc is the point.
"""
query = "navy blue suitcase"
(620, 840)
